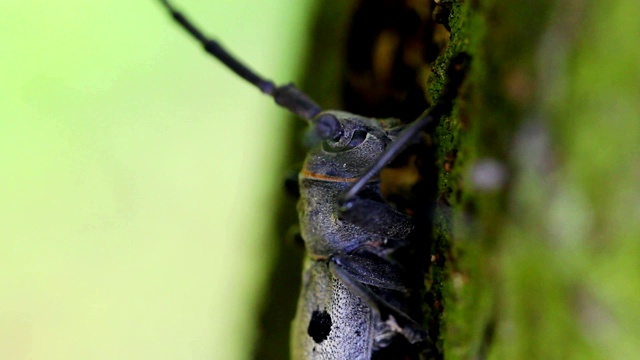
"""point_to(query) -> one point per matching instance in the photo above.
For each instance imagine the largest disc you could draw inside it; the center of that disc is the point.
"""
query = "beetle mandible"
(353, 303)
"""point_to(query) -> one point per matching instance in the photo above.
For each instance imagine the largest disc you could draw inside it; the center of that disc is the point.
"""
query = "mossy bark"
(537, 245)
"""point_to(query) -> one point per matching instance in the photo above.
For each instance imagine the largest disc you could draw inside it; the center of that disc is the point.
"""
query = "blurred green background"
(137, 177)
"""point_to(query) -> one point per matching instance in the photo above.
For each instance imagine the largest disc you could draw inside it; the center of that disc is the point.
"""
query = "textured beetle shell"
(350, 336)
(324, 233)
(332, 322)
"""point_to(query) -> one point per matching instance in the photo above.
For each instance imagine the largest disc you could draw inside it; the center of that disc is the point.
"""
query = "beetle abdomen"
(331, 322)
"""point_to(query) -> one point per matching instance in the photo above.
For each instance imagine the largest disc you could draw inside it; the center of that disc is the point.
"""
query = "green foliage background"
(136, 177)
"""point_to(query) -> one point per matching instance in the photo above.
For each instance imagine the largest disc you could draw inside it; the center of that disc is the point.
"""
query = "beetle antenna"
(287, 96)
(406, 137)
(456, 70)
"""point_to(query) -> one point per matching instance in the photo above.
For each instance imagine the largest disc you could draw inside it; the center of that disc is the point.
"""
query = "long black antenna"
(287, 96)
(407, 137)
(456, 72)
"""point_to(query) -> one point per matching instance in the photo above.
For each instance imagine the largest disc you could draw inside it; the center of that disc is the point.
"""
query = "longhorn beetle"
(354, 299)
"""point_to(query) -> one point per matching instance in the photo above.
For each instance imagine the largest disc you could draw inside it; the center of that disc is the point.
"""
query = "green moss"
(542, 267)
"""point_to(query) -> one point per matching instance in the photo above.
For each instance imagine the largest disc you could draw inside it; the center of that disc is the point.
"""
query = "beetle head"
(348, 144)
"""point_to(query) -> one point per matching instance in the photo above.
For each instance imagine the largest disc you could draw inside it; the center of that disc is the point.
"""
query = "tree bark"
(536, 251)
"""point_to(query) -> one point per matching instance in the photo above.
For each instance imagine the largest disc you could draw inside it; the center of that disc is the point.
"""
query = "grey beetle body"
(343, 326)
(345, 308)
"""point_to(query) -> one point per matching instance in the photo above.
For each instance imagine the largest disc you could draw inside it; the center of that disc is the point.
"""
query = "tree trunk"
(537, 245)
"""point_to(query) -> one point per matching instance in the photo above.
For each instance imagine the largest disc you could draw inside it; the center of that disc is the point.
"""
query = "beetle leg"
(377, 218)
(396, 319)
(372, 270)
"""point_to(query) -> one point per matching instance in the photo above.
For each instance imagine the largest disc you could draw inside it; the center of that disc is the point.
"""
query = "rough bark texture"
(540, 232)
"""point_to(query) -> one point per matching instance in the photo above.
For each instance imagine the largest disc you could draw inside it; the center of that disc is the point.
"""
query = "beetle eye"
(356, 139)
